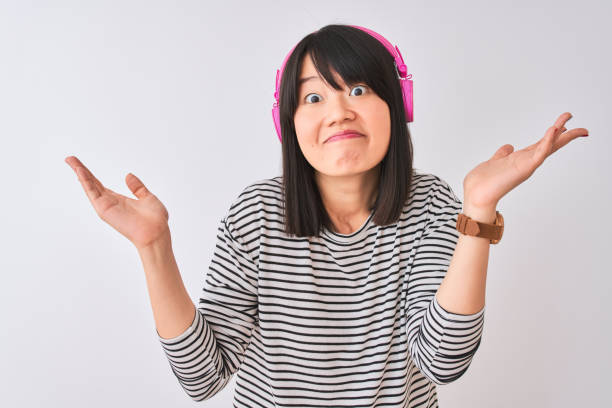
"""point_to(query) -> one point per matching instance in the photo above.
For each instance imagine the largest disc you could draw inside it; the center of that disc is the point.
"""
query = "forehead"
(309, 74)
(307, 67)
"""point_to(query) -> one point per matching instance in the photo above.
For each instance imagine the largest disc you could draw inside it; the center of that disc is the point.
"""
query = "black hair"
(358, 58)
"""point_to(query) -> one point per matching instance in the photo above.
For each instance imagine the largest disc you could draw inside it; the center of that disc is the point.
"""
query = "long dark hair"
(358, 58)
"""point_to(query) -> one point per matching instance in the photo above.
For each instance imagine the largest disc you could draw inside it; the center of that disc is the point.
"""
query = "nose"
(339, 108)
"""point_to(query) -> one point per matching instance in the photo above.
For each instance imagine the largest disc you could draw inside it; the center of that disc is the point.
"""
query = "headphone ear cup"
(407, 95)
(276, 119)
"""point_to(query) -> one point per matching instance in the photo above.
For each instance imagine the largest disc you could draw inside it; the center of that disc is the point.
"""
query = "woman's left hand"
(488, 182)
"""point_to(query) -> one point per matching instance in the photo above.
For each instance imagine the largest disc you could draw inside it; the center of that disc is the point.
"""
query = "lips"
(344, 135)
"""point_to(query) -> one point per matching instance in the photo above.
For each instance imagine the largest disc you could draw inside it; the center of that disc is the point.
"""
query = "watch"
(493, 232)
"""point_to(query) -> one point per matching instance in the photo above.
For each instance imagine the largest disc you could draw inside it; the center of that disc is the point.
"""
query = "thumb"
(136, 186)
(503, 151)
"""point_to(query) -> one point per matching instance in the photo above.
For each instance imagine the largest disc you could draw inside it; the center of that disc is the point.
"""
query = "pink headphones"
(405, 80)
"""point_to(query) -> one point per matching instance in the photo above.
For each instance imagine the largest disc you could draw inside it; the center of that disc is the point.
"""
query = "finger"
(92, 186)
(562, 119)
(541, 141)
(544, 147)
(536, 144)
(136, 186)
(85, 176)
(503, 151)
(567, 137)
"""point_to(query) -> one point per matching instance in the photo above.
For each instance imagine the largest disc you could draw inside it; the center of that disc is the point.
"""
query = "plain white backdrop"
(180, 94)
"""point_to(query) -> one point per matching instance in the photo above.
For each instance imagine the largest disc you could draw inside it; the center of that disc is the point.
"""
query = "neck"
(348, 199)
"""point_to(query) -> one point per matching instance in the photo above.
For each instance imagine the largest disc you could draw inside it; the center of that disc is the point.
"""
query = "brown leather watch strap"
(493, 232)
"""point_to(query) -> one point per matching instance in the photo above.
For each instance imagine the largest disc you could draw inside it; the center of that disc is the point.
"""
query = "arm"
(206, 355)
(173, 309)
(463, 289)
(442, 343)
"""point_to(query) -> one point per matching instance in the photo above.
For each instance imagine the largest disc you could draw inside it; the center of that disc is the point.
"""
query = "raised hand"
(143, 221)
(488, 182)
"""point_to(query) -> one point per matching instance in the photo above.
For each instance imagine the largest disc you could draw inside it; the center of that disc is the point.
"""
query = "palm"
(488, 182)
(141, 220)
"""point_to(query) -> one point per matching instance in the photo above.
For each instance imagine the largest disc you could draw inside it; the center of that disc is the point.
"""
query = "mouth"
(343, 135)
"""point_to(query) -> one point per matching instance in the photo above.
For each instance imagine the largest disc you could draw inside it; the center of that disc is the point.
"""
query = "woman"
(344, 282)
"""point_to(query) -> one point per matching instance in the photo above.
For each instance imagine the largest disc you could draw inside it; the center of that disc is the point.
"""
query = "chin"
(345, 171)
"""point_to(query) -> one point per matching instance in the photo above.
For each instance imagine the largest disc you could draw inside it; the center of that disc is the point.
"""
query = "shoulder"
(433, 196)
(434, 207)
(258, 203)
(435, 188)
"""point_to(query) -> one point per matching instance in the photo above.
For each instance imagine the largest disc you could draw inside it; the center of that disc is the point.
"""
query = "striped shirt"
(337, 320)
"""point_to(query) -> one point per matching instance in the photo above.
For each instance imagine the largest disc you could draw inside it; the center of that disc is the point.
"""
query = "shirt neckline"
(356, 236)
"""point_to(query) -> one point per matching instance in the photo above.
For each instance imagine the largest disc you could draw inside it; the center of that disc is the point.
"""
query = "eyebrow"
(302, 80)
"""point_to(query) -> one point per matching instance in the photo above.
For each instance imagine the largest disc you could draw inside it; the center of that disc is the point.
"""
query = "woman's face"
(322, 112)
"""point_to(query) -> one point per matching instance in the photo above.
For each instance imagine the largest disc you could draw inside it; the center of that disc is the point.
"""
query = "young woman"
(346, 281)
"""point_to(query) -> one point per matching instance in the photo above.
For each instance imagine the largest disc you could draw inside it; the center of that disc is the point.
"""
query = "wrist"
(158, 258)
(160, 245)
(485, 215)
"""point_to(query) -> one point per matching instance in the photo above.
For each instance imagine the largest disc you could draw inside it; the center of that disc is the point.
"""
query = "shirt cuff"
(188, 332)
(456, 320)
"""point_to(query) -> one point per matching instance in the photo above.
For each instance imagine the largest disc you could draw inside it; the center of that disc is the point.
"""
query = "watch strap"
(493, 232)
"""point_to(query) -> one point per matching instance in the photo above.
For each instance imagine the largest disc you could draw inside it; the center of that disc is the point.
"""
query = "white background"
(180, 94)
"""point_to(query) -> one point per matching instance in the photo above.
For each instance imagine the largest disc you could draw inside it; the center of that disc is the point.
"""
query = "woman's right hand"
(143, 221)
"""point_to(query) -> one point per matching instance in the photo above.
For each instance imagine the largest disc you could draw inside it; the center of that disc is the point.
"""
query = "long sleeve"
(441, 343)
(211, 350)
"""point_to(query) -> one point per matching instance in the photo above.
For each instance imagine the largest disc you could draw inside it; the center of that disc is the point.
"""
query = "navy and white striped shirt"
(330, 321)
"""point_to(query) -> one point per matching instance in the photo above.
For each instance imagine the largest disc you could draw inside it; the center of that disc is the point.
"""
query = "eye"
(318, 97)
(306, 97)
(361, 92)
